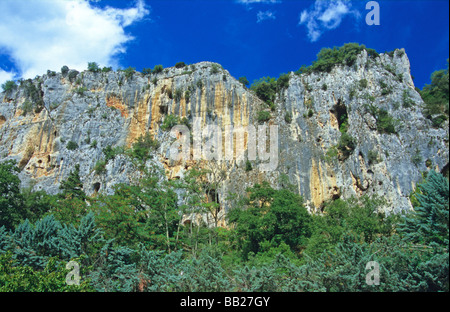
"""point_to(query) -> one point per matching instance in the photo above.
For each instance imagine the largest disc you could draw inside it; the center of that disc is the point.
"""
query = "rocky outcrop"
(95, 110)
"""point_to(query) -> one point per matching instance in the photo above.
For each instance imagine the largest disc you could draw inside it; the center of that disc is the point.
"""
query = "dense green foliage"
(345, 55)
(436, 97)
(135, 240)
(436, 94)
(9, 86)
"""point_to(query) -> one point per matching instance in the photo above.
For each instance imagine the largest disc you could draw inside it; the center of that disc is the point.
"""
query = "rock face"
(94, 110)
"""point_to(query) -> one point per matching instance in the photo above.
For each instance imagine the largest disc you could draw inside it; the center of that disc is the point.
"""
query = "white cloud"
(262, 16)
(5, 76)
(326, 15)
(47, 34)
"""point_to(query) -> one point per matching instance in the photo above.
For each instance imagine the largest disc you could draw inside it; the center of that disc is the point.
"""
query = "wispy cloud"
(326, 15)
(267, 15)
(41, 35)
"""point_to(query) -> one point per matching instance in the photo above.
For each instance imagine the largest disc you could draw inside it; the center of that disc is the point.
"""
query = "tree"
(73, 187)
(9, 86)
(93, 67)
(11, 200)
(429, 222)
(64, 70)
(436, 94)
(244, 81)
(270, 215)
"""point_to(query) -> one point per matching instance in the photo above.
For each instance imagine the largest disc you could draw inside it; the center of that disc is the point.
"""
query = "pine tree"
(429, 222)
(73, 187)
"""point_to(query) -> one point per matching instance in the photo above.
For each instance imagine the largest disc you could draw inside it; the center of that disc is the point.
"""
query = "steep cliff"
(351, 131)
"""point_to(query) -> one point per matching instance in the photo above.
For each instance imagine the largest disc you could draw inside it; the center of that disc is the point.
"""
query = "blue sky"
(252, 38)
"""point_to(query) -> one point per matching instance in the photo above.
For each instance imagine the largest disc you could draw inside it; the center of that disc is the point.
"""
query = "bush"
(384, 121)
(73, 74)
(158, 69)
(263, 116)
(64, 70)
(129, 72)
(180, 65)
(282, 82)
(244, 81)
(169, 122)
(106, 69)
(9, 86)
(80, 91)
(178, 95)
(215, 69)
(345, 55)
(93, 67)
(265, 89)
(288, 117)
(362, 84)
(373, 157)
(407, 101)
(100, 167)
(144, 144)
(71, 145)
(146, 71)
(436, 94)
(346, 145)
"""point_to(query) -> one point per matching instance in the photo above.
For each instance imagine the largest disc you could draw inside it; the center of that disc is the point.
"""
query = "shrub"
(27, 107)
(384, 121)
(106, 69)
(407, 101)
(436, 94)
(345, 55)
(215, 69)
(129, 72)
(64, 70)
(263, 116)
(288, 117)
(178, 95)
(100, 167)
(9, 86)
(80, 91)
(282, 82)
(93, 67)
(73, 74)
(244, 81)
(71, 145)
(158, 69)
(93, 144)
(439, 120)
(169, 122)
(373, 157)
(362, 84)
(324, 87)
(346, 145)
(180, 65)
(146, 71)
(310, 113)
(265, 89)
(144, 144)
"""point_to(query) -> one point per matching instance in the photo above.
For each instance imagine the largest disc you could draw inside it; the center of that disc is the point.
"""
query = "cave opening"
(340, 111)
(96, 187)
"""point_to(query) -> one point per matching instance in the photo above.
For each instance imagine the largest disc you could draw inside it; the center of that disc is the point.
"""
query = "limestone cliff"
(94, 110)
